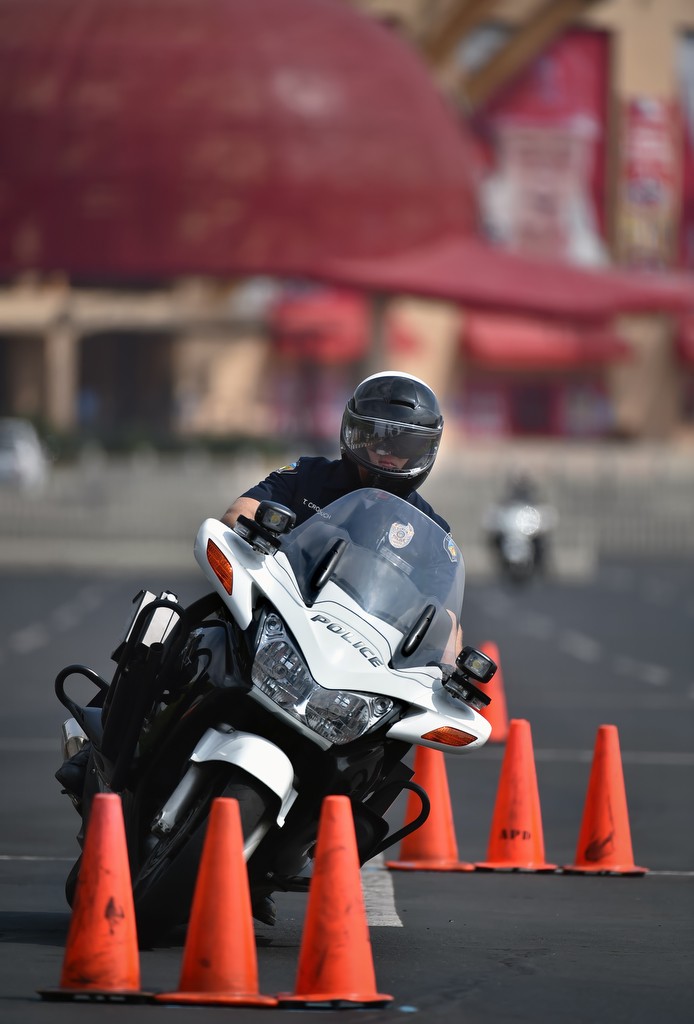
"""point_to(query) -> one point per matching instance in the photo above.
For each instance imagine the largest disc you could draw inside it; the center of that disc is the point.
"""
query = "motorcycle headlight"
(528, 520)
(280, 672)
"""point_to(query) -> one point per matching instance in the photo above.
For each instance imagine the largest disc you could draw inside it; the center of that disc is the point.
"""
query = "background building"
(581, 120)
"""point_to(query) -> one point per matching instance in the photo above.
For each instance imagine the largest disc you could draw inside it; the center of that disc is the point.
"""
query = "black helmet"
(397, 414)
(520, 486)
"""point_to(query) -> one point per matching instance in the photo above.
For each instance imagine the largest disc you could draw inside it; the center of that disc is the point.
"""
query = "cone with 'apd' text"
(604, 841)
(335, 961)
(219, 959)
(433, 846)
(496, 712)
(102, 960)
(516, 841)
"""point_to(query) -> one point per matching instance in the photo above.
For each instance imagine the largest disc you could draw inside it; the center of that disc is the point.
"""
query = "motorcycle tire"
(517, 575)
(71, 881)
(164, 882)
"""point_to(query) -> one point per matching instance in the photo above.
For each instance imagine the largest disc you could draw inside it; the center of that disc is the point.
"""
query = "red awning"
(515, 343)
(331, 326)
(326, 326)
(472, 272)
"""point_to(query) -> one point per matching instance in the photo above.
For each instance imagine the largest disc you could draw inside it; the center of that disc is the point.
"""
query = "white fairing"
(243, 559)
(351, 632)
(256, 756)
(414, 728)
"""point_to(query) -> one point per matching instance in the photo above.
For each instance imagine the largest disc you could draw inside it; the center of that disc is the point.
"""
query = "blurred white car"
(23, 460)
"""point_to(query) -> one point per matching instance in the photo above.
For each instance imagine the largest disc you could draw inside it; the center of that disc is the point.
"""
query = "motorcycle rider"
(520, 489)
(390, 435)
(389, 438)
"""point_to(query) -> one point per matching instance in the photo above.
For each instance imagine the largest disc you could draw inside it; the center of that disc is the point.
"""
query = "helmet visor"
(417, 445)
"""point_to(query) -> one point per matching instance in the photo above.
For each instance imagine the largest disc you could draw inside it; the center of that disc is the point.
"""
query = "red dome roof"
(154, 137)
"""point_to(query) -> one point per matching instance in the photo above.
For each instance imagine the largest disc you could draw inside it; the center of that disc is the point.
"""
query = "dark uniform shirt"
(311, 483)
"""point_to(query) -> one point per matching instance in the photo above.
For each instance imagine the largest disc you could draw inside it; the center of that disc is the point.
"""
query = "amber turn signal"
(450, 736)
(221, 566)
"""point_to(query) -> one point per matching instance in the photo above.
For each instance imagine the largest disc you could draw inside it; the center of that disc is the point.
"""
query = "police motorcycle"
(311, 668)
(518, 529)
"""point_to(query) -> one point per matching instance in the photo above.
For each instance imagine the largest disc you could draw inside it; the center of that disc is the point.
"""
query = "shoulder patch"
(292, 467)
(451, 548)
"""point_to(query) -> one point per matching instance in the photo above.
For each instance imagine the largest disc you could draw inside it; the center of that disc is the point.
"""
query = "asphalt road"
(613, 649)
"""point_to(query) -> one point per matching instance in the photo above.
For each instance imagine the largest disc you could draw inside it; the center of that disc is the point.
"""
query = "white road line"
(655, 675)
(625, 665)
(495, 604)
(377, 887)
(30, 857)
(90, 597)
(378, 916)
(580, 646)
(65, 616)
(31, 638)
(663, 759)
(70, 613)
(29, 744)
(379, 897)
(536, 625)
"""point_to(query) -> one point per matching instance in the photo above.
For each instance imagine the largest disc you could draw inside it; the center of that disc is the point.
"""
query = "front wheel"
(164, 882)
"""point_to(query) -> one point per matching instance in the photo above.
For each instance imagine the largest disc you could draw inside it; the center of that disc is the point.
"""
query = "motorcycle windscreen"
(394, 562)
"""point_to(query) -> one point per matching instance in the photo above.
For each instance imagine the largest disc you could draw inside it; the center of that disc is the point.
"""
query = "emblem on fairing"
(400, 534)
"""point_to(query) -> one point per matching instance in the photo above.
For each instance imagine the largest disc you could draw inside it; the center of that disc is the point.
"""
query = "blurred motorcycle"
(517, 528)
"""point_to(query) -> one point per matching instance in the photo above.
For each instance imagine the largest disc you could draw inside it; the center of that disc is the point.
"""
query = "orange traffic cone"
(101, 955)
(219, 959)
(496, 712)
(335, 961)
(516, 842)
(433, 846)
(604, 841)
